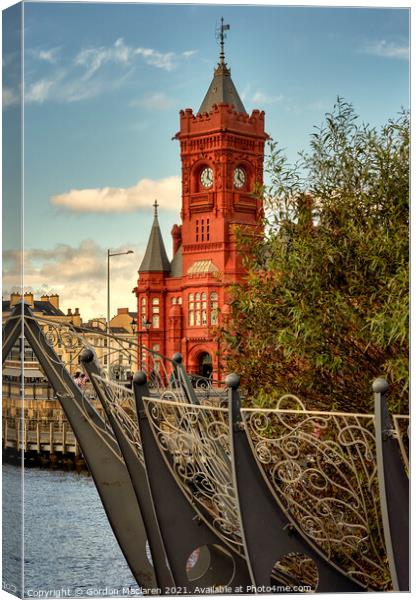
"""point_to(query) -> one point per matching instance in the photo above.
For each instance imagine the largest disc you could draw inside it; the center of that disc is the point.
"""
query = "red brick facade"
(222, 154)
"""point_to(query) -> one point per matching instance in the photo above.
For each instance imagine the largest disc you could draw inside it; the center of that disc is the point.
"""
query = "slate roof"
(118, 330)
(176, 264)
(46, 308)
(222, 90)
(155, 258)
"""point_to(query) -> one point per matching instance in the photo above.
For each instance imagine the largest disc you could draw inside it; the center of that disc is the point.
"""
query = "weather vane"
(221, 36)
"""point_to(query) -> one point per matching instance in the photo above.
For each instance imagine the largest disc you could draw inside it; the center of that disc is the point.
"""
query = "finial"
(155, 205)
(221, 36)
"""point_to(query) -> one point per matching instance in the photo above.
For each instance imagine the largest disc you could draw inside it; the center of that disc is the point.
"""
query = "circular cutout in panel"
(149, 553)
(210, 565)
(296, 572)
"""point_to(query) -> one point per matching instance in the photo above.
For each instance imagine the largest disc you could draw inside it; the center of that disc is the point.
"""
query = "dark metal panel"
(102, 454)
(394, 491)
(267, 532)
(137, 473)
(182, 529)
(11, 330)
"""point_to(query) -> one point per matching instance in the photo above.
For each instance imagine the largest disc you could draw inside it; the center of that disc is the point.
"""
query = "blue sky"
(103, 88)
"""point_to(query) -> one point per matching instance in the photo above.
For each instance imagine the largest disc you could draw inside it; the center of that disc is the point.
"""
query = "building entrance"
(205, 365)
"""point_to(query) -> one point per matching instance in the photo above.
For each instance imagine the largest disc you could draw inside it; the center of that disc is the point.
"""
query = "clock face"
(239, 177)
(207, 177)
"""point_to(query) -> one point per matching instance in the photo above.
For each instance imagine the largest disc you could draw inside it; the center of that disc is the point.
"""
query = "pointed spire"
(155, 257)
(222, 89)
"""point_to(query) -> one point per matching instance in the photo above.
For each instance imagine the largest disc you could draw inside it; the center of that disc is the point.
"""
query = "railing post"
(393, 489)
(184, 379)
(141, 390)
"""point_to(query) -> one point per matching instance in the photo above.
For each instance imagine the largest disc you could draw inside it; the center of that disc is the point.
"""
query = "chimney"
(122, 311)
(29, 298)
(69, 312)
(44, 298)
(14, 298)
(54, 300)
(76, 312)
(176, 238)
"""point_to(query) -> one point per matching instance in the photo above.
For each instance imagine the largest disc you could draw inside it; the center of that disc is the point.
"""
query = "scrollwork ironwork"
(321, 467)
(401, 425)
(120, 401)
(194, 439)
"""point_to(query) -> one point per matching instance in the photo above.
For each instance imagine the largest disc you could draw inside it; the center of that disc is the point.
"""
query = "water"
(69, 547)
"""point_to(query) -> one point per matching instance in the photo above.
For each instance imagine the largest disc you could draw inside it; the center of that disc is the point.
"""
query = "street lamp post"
(110, 255)
(146, 324)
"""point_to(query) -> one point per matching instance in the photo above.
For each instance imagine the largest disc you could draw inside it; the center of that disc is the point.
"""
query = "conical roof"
(222, 90)
(155, 257)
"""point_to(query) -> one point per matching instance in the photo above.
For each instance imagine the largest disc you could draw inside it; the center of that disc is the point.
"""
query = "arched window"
(173, 300)
(204, 309)
(197, 309)
(180, 300)
(214, 308)
(155, 313)
(143, 309)
(191, 310)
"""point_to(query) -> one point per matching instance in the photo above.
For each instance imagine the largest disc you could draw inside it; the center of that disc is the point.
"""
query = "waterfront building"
(38, 394)
(39, 397)
(120, 355)
(181, 302)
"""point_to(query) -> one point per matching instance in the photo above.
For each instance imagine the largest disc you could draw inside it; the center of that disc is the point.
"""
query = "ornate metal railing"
(332, 484)
(195, 443)
(120, 401)
(322, 470)
(69, 340)
(401, 425)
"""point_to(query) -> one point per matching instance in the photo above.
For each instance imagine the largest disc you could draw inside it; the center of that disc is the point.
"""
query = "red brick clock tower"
(222, 152)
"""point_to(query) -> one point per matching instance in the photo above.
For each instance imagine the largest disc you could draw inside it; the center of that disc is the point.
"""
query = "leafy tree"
(324, 307)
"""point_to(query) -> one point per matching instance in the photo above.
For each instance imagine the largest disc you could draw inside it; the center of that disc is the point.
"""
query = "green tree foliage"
(324, 307)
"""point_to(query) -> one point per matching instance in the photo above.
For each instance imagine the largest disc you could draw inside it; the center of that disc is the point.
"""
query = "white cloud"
(50, 55)
(95, 58)
(78, 274)
(91, 72)
(11, 97)
(189, 53)
(157, 59)
(157, 101)
(260, 98)
(40, 91)
(387, 50)
(122, 200)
